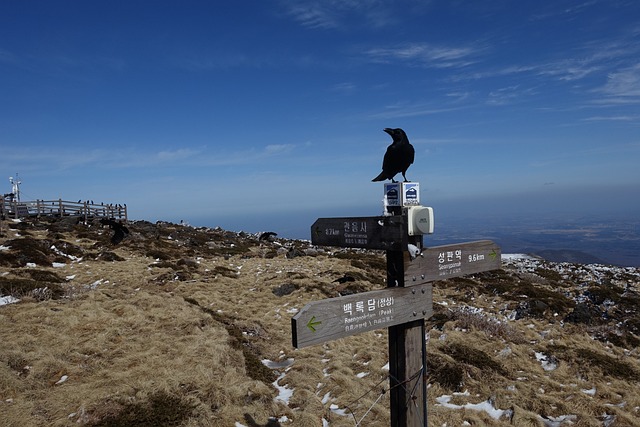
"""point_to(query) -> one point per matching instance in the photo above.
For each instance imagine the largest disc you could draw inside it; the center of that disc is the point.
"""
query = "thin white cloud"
(568, 70)
(593, 58)
(313, 15)
(625, 118)
(344, 87)
(426, 54)
(343, 14)
(623, 83)
(7, 57)
(55, 159)
(273, 149)
(180, 154)
(396, 112)
(509, 95)
(58, 160)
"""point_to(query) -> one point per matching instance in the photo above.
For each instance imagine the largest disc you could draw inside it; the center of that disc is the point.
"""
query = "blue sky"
(235, 113)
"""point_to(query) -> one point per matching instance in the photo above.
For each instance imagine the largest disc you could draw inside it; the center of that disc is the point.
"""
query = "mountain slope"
(191, 327)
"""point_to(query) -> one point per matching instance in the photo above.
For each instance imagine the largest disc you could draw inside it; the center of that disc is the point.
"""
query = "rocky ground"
(177, 325)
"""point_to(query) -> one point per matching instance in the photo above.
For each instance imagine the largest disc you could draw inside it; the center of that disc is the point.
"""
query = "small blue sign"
(411, 194)
(392, 194)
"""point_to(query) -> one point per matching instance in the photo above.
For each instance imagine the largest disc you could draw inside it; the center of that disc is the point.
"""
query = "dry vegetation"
(172, 328)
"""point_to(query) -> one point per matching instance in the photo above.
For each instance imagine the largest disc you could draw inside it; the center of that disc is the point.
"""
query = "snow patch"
(336, 410)
(8, 300)
(486, 406)
(549, 363)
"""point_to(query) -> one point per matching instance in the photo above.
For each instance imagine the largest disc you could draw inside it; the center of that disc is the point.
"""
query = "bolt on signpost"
(407, 300)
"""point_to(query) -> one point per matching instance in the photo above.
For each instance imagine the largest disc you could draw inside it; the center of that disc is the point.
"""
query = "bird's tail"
(380, 177)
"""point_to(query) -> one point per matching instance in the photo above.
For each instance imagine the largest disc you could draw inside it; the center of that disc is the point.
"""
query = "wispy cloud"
(313, 15)
(59, 160)
(396, 112)
(556, 9)
(623, 83)
(594, 58)
(7, 57)
(509, 95)
(274, 149)
(49, 159)
(220, 60)
(180, 154)
(619, 118)
(331, 14)
(426, 54)
(344, 87)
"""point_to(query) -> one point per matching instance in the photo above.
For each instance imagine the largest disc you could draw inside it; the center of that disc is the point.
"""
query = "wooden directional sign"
(376, 232)
(340, 317)
(447, 261)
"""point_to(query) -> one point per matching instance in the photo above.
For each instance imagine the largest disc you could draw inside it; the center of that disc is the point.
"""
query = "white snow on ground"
(486, 406)
(62, 379)
(336, 410)
(590, 392)
(558, 421)
(59, 252)
(95, 284)
(277, 365)
(513, 257)
(548, 363)
(284, 392)
(8, 300)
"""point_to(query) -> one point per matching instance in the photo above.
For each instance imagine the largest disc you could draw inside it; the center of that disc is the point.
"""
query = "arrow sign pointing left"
(357, 313)
(313, 323)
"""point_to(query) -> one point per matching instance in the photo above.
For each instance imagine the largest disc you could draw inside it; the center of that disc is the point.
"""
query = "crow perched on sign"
(398, 157)
(120, 230)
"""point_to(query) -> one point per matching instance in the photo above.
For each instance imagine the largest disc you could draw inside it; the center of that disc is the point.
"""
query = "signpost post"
(403, 306)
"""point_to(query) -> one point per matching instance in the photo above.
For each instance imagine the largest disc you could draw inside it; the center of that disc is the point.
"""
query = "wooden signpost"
(375, 232)
(448, 261)
(335, 318)
(402, 307)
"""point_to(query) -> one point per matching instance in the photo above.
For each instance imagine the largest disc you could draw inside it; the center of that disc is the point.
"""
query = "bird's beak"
(387, 130)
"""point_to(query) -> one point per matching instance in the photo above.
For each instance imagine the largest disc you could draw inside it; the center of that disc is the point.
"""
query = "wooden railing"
(14, 209)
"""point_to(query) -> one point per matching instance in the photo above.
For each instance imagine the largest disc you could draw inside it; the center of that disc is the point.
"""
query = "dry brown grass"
(171, 327)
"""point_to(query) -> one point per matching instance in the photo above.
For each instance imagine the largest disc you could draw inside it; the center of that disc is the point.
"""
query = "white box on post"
(420, 220)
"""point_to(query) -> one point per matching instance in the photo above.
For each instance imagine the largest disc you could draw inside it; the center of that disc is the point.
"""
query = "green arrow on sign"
(493, 254)
(312, 324)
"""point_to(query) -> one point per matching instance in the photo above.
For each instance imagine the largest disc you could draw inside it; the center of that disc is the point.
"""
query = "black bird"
(344, 279)
(268, 236)
(120, 230)
(399, 156)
